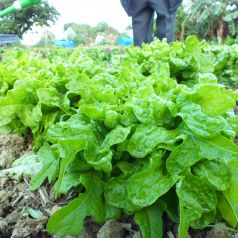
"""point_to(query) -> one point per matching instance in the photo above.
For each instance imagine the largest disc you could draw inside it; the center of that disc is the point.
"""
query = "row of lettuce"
(226, 64)
(143, 133)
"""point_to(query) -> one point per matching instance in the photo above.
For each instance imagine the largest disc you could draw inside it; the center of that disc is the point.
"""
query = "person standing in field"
(142, 13)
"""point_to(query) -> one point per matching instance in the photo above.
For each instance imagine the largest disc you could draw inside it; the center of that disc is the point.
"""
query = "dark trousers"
(143, 20)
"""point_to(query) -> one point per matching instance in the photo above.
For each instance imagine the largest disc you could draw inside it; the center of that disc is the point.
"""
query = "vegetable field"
(146, 137)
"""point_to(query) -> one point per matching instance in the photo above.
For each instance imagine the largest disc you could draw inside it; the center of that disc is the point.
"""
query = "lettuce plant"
(150, 132)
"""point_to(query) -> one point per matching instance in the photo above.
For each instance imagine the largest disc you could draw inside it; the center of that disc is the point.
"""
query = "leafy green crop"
(146, 133)
(226, 67)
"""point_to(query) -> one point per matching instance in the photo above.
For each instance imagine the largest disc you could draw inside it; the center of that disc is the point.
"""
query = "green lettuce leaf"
(194, 149)
(195, 198)
(49, 169)
(215, 172)
(150, 220)
(146, 138)
(70, 218)
(146, 186)
(227, 200)
(215, 100)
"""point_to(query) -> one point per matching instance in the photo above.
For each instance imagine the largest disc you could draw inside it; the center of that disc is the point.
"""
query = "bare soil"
(15, 196)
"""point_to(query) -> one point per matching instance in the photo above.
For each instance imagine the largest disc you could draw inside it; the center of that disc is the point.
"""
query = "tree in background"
(20, 22)
(85, 34)
(208, 19)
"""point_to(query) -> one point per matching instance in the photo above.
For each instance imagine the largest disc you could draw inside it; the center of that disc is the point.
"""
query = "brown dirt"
(15, 196)
(12, 147)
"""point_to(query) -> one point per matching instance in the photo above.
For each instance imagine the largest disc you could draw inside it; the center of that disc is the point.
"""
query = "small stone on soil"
(28, 227)
(217, 232)
(111, 229)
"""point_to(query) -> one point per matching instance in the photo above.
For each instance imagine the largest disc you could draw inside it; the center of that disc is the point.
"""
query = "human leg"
(142, 22)
(165, 22)
(165, 26)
